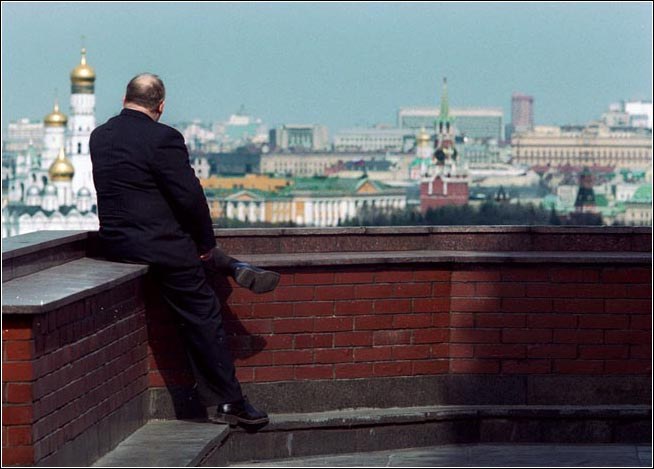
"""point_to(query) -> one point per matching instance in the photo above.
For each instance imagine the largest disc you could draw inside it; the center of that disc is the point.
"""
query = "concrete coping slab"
(428, 257)
(349, 418)
(58, 286)
(16, 246)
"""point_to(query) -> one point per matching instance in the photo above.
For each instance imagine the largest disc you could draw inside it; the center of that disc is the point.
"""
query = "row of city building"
(437, 156)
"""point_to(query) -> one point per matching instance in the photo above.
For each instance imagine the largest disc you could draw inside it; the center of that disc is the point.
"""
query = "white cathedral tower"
(81, 124)
(54, 135)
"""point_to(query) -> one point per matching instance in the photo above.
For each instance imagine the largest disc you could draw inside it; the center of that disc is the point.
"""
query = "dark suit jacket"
(151, 206)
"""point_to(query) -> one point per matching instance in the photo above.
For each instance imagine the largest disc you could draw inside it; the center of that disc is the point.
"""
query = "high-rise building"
(299, 138)
(473, 123)
(522, 112)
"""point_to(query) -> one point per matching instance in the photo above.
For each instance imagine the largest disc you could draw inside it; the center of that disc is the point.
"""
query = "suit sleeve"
(178, 182)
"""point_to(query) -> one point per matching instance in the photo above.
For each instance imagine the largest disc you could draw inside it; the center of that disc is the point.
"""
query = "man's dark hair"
(147, 90)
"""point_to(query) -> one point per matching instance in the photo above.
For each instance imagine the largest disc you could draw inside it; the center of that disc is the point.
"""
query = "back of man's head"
(147, 90)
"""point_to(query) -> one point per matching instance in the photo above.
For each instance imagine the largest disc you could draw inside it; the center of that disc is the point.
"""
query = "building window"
(79, 148)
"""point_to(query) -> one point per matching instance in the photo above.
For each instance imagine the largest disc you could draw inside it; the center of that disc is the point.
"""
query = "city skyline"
(343, 65)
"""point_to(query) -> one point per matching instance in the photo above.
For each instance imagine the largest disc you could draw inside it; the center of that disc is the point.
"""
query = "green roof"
(643, 195)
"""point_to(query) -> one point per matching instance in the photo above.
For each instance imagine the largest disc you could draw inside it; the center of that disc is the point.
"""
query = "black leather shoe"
(254, 278)
(240, 413)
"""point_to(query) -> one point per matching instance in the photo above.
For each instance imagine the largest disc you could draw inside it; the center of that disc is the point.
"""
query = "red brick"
(640, 322)
(462, 335)
(627, 275)
(281, 326)
(499, 351)
(440, 350)
(476, 276)
(314, 278)
(18, 393)
(353, 277)
(578, 366)
(245, 375)
(501, 289)
(544, 320)
(432, 275)
(339, 355)
(373, 322)
(314, 372)
(293, 357)
(441, 290)
(278, 341)
(463, 289)
(17, 415)
(18, 456)
(641, 351)
(431, 305)
(411, 290)
(313, 341)
(392, 369)
(574, 336)
(251, 326)
(353, 339)
(293, 293)
(17, 371)
(604, 321)
(552, 351)
(394, 276)
(527, 336)
(574, 275)
(628, 367)
(628, 337)
(353, 307)
(475, 304)
(460, 365)
(411, 352)
(336, 292)
(18, 436)
(526, 366)
(373, 291)
(639, 291)
(462, 350)
(17, 350)
(257, 359)
(462, 320)
(440, 320)
(276, 373)
(526, 305)
(579, 306)
(431, 367)
(372, 354)
(629, 306)
(412, 321)
(517, 274)
(313, 308)
(391, 337)
(333, 324)
(499, 320)
(392, 306)
(603, 352)
(353, 370)
(428, 336)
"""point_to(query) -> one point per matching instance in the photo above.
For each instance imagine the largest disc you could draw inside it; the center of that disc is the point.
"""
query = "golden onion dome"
(56, 118)
(61, 169)
(423, 137)
(83, 74)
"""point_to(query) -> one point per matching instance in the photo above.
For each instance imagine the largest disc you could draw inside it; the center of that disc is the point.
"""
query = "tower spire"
(445, 103)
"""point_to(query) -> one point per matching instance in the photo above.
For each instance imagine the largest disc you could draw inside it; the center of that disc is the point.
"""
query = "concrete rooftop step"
(166, 443)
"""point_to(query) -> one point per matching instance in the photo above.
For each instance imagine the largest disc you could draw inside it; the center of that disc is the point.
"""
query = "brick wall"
(355, 322)
(66, 370)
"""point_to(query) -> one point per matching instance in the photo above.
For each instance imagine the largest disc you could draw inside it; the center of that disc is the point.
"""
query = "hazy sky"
(348, 64)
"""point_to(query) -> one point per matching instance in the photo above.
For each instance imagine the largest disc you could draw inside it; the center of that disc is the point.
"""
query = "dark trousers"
(195, 304)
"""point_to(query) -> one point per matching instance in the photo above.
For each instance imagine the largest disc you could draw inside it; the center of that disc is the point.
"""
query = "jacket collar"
(134, 113)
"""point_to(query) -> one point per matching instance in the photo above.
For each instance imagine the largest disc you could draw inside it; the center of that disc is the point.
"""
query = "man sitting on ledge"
(152, 210)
